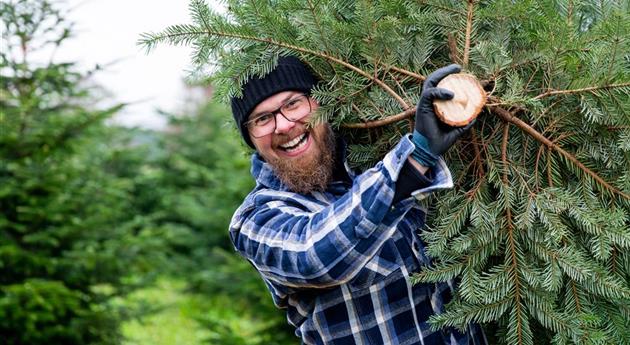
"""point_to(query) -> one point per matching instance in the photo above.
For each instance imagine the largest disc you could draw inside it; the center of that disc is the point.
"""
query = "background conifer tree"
(200, 175)
(537, 229)
(69, 235)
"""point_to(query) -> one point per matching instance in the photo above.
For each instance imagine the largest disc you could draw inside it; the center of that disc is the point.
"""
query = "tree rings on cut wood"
(469, 99)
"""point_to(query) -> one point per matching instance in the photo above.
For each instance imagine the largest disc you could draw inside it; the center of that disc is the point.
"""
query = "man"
(336, 248)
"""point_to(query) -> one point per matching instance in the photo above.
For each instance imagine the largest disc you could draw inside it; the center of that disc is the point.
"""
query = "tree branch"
(400, 70)
(504, 144)
(469, 20)
(322, 35)
(511, 245)
(443, 8)
(407, 73)
(478, 161)
(549, 174)
(586, 89)
(507, 116)
(270, 41)
(386, 121)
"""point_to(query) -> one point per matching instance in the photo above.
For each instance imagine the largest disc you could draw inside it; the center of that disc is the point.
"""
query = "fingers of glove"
(437, 93)
(434, 78)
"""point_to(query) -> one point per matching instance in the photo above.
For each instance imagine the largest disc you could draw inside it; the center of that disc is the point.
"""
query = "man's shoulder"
(239, 216)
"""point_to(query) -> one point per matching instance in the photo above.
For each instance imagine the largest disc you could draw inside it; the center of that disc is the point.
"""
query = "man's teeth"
(295, 144)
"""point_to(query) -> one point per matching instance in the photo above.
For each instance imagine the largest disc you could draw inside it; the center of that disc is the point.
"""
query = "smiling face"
(301, 156)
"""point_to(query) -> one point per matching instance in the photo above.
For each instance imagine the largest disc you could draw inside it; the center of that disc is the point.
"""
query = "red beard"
(312, 173)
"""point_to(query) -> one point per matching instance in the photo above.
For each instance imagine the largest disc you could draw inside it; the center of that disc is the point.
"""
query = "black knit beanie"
(290, 75)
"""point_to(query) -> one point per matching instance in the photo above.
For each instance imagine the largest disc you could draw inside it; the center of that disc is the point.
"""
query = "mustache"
(280, 139)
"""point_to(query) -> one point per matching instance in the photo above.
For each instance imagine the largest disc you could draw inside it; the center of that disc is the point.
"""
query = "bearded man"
(336, 247)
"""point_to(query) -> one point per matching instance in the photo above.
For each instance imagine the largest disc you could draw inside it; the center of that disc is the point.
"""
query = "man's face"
(301, 156)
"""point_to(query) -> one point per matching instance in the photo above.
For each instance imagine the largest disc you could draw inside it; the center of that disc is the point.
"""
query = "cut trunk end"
(469, 99)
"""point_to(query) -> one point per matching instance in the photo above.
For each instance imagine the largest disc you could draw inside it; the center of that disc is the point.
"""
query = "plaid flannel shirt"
(339, 261)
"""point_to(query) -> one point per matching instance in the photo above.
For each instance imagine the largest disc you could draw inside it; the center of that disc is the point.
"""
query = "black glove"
(432, 137)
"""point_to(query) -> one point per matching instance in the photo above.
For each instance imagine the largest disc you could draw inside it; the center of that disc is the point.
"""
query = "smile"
(295, 144)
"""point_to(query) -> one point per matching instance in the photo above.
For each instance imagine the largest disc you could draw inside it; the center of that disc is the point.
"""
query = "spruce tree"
(69, 238)
(537, 229)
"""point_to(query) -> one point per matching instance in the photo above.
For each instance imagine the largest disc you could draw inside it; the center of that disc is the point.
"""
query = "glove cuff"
(422, 154)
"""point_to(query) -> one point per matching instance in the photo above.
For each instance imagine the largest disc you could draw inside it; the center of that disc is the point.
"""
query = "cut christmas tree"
(537, 228)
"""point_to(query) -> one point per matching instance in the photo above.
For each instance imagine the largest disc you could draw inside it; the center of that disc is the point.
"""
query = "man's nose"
(282, 124)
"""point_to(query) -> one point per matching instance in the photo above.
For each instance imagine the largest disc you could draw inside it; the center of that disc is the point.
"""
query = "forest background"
(114, 235)
(111, 234)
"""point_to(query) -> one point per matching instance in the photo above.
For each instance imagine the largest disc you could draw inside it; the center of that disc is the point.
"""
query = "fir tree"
(537, 229)
(69, 237)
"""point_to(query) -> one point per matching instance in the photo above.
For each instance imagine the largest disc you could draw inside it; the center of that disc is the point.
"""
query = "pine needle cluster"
(537, 230)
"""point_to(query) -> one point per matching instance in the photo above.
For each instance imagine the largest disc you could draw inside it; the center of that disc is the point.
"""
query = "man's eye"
(294, 104)
(262, 119)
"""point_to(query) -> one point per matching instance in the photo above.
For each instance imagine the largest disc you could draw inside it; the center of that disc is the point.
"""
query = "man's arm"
(431, 138)
(297, 243)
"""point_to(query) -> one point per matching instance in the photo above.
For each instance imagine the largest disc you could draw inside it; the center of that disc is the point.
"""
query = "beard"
(311, 173)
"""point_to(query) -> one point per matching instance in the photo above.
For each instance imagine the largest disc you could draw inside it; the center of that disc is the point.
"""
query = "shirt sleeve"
(297, 243)
(409, 180)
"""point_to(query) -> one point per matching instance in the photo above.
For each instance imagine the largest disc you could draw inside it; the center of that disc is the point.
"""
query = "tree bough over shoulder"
(538, 226)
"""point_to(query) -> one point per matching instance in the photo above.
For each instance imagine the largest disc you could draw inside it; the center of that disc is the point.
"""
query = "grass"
(173, 323)
(175, 316)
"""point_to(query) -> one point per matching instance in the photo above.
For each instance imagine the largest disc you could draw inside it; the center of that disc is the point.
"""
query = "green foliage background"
(106, 231)
(68, 237)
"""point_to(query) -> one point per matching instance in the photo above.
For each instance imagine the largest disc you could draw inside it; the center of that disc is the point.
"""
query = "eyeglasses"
(293, 110)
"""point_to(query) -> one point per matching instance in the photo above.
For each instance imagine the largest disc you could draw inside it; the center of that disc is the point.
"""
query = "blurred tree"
(69, 240)
(195, 180)
(203, 176)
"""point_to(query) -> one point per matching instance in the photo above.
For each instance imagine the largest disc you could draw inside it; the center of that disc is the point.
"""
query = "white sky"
(107, 31)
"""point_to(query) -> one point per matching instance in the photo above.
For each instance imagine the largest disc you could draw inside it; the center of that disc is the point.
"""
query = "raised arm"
(299, 243)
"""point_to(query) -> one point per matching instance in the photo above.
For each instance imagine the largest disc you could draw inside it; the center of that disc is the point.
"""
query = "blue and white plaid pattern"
(339, 261)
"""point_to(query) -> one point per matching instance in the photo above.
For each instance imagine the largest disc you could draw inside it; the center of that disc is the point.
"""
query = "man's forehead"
(273, 102)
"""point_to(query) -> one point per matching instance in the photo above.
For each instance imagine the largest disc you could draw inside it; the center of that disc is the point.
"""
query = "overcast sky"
(107, 31)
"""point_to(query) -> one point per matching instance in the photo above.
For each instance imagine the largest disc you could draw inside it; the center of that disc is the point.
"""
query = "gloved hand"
(432, 137)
